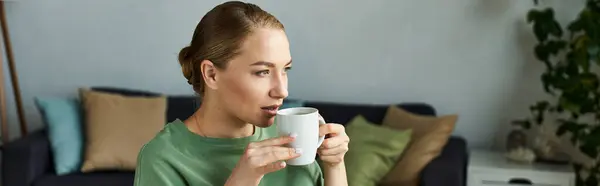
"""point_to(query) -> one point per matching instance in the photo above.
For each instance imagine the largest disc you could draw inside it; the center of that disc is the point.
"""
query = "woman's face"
(254, 84)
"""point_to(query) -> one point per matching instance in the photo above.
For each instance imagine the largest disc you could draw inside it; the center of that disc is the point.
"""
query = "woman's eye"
(267, 72)
(262, 73)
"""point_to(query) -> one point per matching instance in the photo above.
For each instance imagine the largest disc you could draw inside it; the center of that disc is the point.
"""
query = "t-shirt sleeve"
(320, 181)
(318, 175)
(155, 170)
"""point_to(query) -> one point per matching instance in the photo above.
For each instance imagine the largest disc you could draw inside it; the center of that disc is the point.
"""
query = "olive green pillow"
(373, 151)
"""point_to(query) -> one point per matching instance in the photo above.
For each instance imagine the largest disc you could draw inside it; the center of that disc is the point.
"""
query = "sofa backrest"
(181, 107)
(342, 113)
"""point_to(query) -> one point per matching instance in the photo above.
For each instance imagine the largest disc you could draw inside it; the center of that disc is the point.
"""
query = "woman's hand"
(333, 149)
(332, 153)
(261, 158)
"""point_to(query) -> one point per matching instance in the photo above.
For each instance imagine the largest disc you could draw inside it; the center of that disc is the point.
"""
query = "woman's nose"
(279, 90)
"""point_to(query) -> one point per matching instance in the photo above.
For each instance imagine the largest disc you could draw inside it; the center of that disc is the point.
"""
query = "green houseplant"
(571, 56)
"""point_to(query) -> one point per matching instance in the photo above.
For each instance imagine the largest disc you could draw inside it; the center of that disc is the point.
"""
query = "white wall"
(471, 57)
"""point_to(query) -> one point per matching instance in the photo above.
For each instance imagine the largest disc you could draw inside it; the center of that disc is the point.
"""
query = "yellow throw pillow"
(430, 135)
(116, 128)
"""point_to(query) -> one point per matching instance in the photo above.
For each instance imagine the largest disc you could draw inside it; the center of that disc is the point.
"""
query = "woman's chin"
(265, 122)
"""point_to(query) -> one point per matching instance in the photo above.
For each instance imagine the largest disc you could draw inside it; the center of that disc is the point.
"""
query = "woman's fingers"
(334, 142)
(333, 151)
(272, 167)
(273, 154)
(268, 155)
(332, 129)
(272, 142)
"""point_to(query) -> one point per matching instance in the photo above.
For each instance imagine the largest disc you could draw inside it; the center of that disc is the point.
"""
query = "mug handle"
(321, 138)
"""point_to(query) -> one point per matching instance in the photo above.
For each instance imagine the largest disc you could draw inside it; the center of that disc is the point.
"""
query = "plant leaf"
(575, 26)
(543, 23)
(589, 149)
(532, 15)
(589, 81)
(547, 79)
(539, 32)
(554, 47)
(541, 53)
(556, 29)
(569, 126)
(566, 104)
(538, 111)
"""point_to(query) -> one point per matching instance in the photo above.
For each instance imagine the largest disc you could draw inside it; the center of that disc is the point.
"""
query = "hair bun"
(186, 64)
(184, 54)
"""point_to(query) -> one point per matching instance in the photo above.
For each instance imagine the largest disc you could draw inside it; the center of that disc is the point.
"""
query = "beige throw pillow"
(430, 135)
(116, 128)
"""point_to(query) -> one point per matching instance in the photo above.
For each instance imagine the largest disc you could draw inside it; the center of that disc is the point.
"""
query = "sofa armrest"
(26, 159)
(448, 169)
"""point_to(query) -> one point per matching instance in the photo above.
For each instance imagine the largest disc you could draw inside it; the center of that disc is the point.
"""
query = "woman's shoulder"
(163, 140)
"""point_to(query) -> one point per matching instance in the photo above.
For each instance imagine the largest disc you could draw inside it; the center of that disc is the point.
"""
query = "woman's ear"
(209, 73)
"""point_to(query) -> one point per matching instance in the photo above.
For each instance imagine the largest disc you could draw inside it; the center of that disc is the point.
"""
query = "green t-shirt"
(177, 156)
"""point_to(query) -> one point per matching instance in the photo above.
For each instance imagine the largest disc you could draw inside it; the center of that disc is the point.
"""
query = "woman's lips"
(271, 110)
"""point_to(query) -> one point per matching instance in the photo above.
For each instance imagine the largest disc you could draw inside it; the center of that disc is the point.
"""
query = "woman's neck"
(211, 120)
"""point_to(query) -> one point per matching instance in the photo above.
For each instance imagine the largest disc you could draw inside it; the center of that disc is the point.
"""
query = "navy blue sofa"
(28, 160)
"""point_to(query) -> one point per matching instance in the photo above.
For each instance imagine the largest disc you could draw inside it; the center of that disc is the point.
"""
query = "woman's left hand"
(333, 149)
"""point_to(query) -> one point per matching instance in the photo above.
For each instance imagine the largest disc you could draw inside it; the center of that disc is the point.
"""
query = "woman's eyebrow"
(268, 64)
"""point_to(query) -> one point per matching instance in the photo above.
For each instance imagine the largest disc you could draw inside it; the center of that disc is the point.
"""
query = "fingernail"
(293, 135)
(298, 150)
(282, 164)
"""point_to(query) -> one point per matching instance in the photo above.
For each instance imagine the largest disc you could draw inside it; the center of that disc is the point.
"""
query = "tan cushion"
(430, 135)
(117, 127)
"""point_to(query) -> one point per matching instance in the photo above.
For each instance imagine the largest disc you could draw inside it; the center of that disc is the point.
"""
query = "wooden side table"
(487, 168)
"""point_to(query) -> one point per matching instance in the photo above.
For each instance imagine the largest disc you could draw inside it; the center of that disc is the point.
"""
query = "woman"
(237, 62)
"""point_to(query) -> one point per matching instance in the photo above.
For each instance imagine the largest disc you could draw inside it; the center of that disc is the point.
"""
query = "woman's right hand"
(261, 158)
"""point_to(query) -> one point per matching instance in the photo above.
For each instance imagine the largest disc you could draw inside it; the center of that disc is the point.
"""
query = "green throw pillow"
(373, 151)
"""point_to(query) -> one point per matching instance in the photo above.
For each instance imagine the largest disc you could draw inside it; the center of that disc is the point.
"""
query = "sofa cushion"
(125, 91)
(178, 106)
(88, 179)
(116, 128)
(62, 116)
(430, 135)
(373, 151)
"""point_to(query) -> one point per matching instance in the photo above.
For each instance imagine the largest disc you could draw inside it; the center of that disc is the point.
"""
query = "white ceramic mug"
(304, 122)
